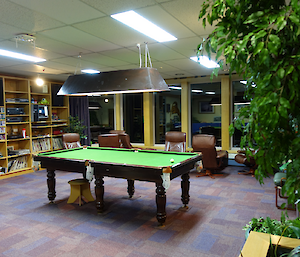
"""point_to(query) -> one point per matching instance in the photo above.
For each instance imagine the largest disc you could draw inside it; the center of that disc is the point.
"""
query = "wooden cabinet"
(29, 122)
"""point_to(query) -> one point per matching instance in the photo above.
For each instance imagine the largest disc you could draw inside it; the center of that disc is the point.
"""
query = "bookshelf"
(32, 120)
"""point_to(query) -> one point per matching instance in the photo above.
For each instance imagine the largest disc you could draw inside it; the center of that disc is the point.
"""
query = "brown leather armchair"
(241, 158)
(212, 159)
(175, 141)
(123, 137)
(109, 140)
(71, 140)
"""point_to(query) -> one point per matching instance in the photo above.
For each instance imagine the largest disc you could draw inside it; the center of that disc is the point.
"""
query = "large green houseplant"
(260, 40)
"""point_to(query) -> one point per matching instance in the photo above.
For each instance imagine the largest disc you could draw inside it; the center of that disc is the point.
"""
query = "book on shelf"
(17, 163)
(42, 144)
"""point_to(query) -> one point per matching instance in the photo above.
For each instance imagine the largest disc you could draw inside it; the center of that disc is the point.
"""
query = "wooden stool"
(80, 188)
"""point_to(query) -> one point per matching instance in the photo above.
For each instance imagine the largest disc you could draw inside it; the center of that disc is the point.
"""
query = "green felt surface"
(123, 156)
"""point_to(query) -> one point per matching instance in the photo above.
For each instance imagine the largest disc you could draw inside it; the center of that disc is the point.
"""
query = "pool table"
(159, 167)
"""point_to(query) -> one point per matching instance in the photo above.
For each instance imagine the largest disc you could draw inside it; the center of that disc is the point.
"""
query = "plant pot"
(258, 244)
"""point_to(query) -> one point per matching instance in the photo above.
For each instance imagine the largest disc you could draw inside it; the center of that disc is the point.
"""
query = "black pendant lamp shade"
(114, 82)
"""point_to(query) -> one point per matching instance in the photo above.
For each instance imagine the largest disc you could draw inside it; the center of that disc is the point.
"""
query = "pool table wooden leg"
(51, 185)
(161, 203)
(99, 192)
(185, 188)
(130, 188)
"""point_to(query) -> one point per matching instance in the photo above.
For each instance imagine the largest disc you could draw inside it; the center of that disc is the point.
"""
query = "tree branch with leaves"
(260, 40)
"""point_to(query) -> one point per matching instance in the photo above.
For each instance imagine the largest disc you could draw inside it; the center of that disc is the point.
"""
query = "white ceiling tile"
(58, 46)
(115, 6)
(123, 54)
(79, 38)
(160, 17)
(8, 32)
(60, 66)
(187, 12)
(103, 60)
(24, 18)
(186, 46)
(67, 11)
(160, 52)
(113, 31)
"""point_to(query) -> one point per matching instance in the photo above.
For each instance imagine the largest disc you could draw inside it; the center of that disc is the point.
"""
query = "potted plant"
(283, 228)
(75, 126)
(261, 42)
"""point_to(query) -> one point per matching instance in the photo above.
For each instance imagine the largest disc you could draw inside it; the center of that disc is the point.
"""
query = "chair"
(279, 180)
(211, 158)
(123, 138)
(241, 158)
(115, 131)
(175, 141)
(71, 140)
(79, 187)
(109, 140)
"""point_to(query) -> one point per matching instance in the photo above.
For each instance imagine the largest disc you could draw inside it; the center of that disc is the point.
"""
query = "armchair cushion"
(71, 140)
(109, 140)
(175, 141)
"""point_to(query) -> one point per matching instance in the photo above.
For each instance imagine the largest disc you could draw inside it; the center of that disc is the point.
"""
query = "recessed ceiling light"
(203, 60)
(21, 56)
(139, 23)
(90, 71)
(197, 90)
(210, 92)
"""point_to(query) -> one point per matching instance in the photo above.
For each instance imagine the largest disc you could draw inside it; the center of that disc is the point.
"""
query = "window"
(133, 117)
(101, 110)
(206, 109)
(167, 112)
(238, 91)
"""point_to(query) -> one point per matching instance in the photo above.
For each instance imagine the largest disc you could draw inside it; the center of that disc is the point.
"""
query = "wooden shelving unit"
(22, 134)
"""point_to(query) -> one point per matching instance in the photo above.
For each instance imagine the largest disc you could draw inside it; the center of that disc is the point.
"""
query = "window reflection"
(238, 91)
(133, 117)
(167, 112)
(206, 109)
(101, 111)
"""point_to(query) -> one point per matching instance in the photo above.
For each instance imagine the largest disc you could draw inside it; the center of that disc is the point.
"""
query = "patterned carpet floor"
(212, 226)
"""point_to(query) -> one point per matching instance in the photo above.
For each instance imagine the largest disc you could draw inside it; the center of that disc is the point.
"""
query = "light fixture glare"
(203, 60)
(178, 88)
(197, 91)
(90, 71)
(39, 82)
(139, 23)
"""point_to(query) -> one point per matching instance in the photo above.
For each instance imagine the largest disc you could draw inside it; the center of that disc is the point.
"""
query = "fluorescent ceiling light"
(178, 88)
(210, 92)
(203, 60)
(139, 23)
(197, 90)
(21, 56)
(90, 71)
